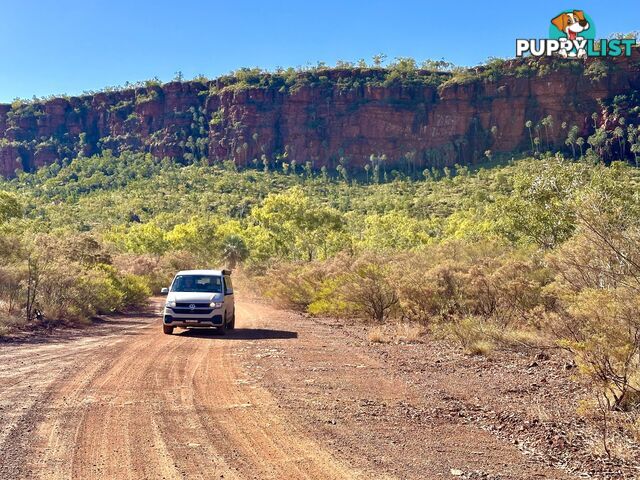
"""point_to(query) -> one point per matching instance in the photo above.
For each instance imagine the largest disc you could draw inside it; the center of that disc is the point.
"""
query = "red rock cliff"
(321, 122)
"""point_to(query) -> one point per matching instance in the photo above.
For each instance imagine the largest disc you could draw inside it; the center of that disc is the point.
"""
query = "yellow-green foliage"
(102, 292)
(342, 286)
(9, 207)
(297, 285)
(395, 230)
(296, 227)
(607, 341)
(328, 297)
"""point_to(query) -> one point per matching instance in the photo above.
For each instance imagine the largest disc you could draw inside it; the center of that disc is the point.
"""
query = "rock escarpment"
(325, 117)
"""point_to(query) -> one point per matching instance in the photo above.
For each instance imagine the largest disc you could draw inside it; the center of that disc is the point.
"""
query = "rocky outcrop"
(323, 123)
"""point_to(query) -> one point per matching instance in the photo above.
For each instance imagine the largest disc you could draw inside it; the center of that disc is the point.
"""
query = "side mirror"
(164, 291)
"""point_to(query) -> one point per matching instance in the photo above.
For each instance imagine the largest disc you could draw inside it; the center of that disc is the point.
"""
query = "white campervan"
(199, 299)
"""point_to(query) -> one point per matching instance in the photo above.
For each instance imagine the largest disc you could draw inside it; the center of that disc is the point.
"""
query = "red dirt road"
(281, 397)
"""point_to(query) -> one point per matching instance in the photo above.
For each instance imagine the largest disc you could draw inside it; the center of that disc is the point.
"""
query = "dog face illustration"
(571, 23)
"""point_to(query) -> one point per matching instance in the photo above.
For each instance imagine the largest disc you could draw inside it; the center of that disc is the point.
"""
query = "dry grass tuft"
(409, 332)
(396, 333)
(10, 323)
(472, 333)
(378, 334)
(480, 347)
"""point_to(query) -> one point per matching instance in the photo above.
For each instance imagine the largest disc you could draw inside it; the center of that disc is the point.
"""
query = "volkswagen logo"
(192, 306)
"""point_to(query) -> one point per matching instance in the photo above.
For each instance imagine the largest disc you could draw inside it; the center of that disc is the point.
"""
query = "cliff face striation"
(421, 118)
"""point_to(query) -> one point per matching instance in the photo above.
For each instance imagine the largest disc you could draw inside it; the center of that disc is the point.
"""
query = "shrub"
(472, 333)
(598, 291)
(409, 332)
(484, 279)
(49, 279)
(156, 273)
(59, 295)
(605, 326)
(298, 285)
(101, 292)
(369, 290)
(135, 290)
(335, 287)
(70, 294)
(400, 333)
(329, 297)
(10, 288)
(293, 285)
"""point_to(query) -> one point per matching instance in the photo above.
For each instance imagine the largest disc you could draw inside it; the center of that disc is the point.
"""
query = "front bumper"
(192, 320)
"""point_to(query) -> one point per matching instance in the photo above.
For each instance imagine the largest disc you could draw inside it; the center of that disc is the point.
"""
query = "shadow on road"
(240, 334)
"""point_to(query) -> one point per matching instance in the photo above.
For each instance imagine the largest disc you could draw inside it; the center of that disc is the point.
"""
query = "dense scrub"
(62, 277)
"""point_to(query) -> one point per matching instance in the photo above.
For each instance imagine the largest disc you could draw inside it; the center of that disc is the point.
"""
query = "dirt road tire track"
(155, 406)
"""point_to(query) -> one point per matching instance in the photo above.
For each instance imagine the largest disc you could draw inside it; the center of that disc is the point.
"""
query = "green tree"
(9, 207)
(196, 236)
(379, 59)
(635, 149)
(146, 238)
(540, 207)
(295, 227)
(618, 133)
(598, 142)
(547, 123)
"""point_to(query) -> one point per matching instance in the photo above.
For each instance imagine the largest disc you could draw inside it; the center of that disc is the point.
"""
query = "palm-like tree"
(234, 250)
(580, 143)
(618, 133)
(572, 138)
(635, 149)
(529, 124)
(383, 162)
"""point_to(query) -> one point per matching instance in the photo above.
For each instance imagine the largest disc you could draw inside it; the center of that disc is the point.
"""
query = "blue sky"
(69, 46)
